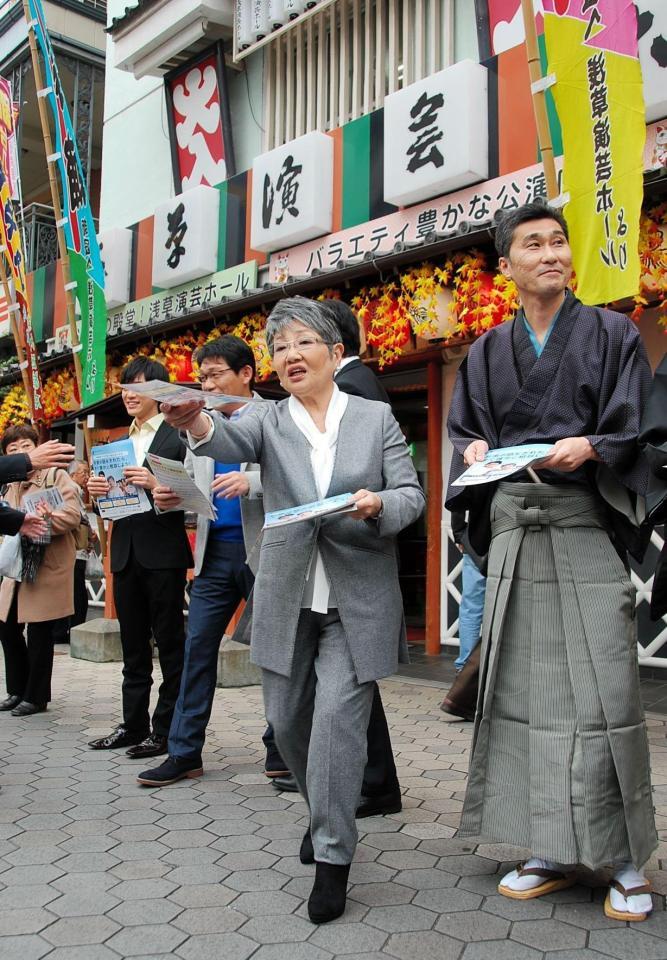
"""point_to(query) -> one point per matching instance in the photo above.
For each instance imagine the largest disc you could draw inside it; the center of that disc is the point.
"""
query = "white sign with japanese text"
(116, 249)
(192, 298)
(652, 38)
(292, 193)
(436, 134)
(185, 237)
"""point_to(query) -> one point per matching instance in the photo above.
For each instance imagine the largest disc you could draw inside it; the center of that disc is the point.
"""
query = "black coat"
(653, 438)
(159, 541)
(10, 519)
(16, 466)
(359, 380)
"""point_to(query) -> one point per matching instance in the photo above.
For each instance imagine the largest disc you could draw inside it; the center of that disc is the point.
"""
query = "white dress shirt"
(322, 456)
(143, 436)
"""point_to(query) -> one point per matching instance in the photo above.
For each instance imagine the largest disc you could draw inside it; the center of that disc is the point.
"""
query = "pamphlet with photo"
(343, 503)
(124, 498)
(503, 462)
(175, 394)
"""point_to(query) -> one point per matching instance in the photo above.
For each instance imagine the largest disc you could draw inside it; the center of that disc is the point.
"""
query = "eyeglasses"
(212, 374)
(302, 345)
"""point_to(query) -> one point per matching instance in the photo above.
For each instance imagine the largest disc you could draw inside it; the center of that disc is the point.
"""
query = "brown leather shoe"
(152, 746)
(461, 698)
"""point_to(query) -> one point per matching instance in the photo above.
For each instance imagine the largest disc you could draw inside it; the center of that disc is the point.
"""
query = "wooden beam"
(433, 507)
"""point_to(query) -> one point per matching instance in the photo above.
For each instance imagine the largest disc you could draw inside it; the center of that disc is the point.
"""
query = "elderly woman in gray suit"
(326, 611)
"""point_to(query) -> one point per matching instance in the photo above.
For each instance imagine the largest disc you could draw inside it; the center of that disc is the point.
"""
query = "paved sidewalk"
(93, 867)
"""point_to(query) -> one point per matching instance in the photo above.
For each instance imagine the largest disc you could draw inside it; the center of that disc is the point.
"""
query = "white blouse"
(322, 456)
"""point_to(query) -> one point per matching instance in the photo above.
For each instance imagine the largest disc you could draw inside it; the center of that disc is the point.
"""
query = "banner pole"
(539, 100)
(57, 210)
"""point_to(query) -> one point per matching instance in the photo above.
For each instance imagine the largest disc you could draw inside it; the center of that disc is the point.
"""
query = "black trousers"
(28, 666)
(80, 594)
(380, 773)
(149, 603)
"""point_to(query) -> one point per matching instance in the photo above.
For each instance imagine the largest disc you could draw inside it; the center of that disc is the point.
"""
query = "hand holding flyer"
(172, 474)
(343, 503)
(174, 394)
(503, 462)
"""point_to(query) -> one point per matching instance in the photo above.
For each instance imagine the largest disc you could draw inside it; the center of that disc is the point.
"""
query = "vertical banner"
(10, 240)
(8, 118)
(592, 51)
(85, 261)
(200, 129)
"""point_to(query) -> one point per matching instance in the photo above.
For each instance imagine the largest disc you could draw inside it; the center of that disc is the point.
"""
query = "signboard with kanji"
(292, 192)
(190, 298)
(185, 237)
(116, 249)
(436, 134)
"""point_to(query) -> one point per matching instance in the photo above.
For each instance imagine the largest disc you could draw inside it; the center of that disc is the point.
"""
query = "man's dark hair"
(18, 431)
(346, 321)
(514, 218)
(144, 367)
(235, 352)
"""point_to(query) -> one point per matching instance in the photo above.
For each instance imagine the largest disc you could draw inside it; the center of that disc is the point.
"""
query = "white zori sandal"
(535, 878)
(629, 896)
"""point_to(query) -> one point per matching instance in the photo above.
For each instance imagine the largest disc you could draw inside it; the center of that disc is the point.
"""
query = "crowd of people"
(559, 762)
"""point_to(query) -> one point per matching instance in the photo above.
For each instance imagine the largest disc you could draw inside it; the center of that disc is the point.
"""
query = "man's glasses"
(302, 345)
(213, 374)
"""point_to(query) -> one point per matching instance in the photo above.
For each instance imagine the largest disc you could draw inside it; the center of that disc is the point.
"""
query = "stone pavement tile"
(473, 925)
(204, 895)
(135, 833)
(381, 894)
(247, 860)
(343, 938)
(216, 946)
(76, 931)
(584, 954)
(147, 938)
(85, 863)
(28, 920)
(426, 945)
(500, 950)
(269, 903)
(407, 859)
(196, 874)
(297, 951)
(447, 900)
(210, 920)
(144, 889)
(140, 869)
(538, 933)
(89, 952)
(132, 913)
(86, 844)
(370, 872)
(588, 916)
(426, 879)
(28, 875)
(176, 839)
(392, 841)
(188, 856)
(288, 929)
(518, 909)
(399, 918)
(251, 880)
(26, 856)
(29, 947)
(15, 897)
(628, 944)
(467, 865)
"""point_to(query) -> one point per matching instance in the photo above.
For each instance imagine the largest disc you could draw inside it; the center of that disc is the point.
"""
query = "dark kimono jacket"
(591, 380)
(653, 438)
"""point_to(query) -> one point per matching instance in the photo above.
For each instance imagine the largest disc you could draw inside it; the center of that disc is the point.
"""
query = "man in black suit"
(150, 555)
(381, 791)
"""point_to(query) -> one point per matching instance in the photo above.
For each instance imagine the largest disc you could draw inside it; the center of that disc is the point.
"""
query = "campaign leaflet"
(123, 498)
(52, 498)
(503, 462)
(343, 503)
(175, 394)
(172, 474)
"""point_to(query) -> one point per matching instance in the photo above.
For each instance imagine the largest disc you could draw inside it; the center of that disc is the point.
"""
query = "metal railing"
(41, 238)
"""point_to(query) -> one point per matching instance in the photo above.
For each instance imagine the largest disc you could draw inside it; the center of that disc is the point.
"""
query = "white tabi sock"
(515, 882)
(626, 875)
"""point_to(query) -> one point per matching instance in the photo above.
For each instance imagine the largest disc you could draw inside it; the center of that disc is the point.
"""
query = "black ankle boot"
(327, 898)
(306, 853)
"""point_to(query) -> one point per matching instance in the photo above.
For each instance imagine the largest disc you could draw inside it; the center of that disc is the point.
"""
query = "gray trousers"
(320, 717)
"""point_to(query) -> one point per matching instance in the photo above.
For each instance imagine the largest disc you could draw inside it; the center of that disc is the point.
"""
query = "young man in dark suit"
(150, 555)
(381, 791)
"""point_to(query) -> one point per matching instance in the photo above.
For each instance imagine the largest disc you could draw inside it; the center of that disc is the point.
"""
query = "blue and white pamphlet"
(123, 498)
(343, 503)
(503, 462)
(176, 394)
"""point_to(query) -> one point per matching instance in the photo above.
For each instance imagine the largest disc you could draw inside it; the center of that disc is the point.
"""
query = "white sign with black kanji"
(185, 237)
(436, 134)
(292, 193)
(116, 250)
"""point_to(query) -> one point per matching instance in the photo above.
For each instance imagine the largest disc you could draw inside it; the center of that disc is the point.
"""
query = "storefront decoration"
(116, 250)
(653, 260)
(14, 407)
(185, 237)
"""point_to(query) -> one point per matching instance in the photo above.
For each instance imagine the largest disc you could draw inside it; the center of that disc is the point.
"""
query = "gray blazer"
(202, 470)
(360, 557)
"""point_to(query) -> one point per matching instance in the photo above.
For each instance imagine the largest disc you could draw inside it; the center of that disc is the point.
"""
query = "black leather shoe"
(327, 898)
(152, 746)
(379, 806)
(12, 701)
(120, 737)
(171, 771)
(306, 853)
(26, 709)
(285, 784)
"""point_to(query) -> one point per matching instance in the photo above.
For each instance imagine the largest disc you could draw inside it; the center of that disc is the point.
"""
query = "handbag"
(11, 557)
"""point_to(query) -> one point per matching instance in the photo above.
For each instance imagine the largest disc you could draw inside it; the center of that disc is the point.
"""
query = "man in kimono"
(560, 760)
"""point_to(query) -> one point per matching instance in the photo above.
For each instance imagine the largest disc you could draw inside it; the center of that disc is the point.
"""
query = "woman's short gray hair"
(310, 313)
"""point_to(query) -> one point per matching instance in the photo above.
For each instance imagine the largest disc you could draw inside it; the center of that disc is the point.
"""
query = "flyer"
(52, 497)
(123, 498)
(343, 503)
(503, 462)
(176, 394)
(172, 474)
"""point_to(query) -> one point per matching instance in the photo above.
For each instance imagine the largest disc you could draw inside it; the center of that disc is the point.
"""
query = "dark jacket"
(359, 380)
(15, 466)
(653, 439)
(159, 541)
(10, 520)
(460, 534)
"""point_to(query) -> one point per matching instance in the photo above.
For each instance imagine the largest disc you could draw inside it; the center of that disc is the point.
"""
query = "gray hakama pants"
(560, 760)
